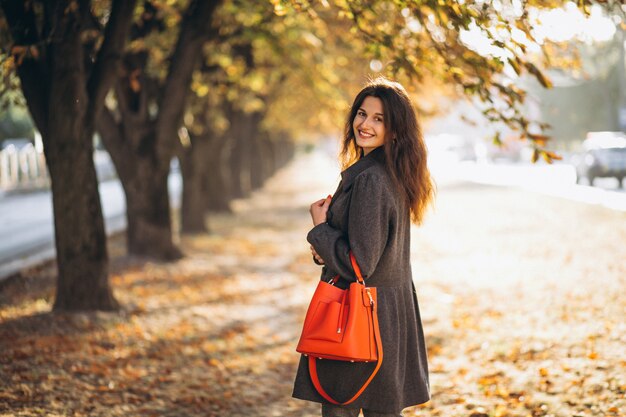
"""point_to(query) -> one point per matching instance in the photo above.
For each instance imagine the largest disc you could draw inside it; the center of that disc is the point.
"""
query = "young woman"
(385, 186)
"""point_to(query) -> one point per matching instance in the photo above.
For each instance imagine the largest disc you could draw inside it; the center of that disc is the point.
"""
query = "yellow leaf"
(540, 140)
(456, 9)
(554, 156)
(515, 64)
(279, 10)
(457, 71)
(500, 411)
(202, 90)
(535, 156)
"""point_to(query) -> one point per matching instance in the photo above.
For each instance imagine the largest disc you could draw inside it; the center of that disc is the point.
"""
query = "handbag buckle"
(369, 294)
(333, 280)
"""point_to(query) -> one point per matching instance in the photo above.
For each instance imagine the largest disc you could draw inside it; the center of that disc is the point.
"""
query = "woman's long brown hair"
(404, 146)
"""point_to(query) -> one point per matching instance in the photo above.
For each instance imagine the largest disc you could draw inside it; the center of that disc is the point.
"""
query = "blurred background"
(157, 160)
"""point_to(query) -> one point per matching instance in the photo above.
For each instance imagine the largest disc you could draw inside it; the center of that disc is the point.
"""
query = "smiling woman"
(369, 125)
(384, 187)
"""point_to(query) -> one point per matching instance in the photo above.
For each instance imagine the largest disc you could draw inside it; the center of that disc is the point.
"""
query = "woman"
(385, 186)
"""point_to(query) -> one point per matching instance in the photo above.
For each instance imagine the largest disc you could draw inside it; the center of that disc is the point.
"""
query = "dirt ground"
(523, 299)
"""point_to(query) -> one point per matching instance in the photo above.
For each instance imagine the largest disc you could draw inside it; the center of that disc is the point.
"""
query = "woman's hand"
(316, 255)
(319, 209)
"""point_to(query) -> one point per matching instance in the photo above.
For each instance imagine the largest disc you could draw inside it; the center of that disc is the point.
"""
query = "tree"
(419, 40)
(141, 132)
(65, 72)
(247, 102)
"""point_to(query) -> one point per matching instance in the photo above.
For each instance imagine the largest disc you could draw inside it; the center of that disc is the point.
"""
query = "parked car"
(604, 156)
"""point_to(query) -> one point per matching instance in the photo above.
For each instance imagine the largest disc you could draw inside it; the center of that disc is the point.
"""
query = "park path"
(523, 299)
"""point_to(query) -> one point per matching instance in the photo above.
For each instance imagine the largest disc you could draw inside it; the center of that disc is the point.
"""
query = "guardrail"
(24, 168)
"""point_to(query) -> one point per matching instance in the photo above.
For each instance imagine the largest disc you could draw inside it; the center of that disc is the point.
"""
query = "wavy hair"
(405, 150)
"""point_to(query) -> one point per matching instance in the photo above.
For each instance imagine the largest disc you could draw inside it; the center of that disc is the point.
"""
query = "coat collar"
(349, 174)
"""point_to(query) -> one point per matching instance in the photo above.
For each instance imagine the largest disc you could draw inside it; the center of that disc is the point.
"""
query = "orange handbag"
(342, 325)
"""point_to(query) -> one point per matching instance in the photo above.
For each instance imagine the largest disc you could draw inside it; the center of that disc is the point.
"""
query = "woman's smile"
(365, 135)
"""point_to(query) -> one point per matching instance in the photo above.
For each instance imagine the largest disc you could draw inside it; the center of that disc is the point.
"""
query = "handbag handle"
(357, 271)
(379, 349)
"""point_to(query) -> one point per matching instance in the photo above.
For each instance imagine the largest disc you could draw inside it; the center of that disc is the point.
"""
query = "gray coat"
(368, 216)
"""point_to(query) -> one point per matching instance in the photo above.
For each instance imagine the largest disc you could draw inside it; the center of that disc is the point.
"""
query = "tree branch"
(196, 29)
(112, 137)
(115, 35)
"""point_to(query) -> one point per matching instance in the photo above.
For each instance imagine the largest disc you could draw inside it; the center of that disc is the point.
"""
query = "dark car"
(601, 162)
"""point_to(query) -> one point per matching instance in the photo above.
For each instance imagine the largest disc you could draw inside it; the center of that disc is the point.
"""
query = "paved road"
(558, 180)
(27, 228)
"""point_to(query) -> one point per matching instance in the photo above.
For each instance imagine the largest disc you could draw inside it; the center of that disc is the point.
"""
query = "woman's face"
(369, 124)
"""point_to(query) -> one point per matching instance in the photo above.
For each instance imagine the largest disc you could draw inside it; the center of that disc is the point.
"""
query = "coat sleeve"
(369, 219)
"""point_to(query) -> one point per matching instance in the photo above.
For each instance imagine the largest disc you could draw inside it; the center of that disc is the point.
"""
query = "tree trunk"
(238, 171)
(142, 143)
(256, 164)
(64, 92)
(279, 152)
(267, 157)
(257, 152)
(144, 179)
(194, 194)
(217, 191)
(240, 155)
(285, 151)
(79, 225)
(149, 230)
(270, 155)
(80, 236)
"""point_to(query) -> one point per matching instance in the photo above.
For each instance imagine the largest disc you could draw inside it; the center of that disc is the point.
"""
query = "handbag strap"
(357, 271)
(379, 349)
